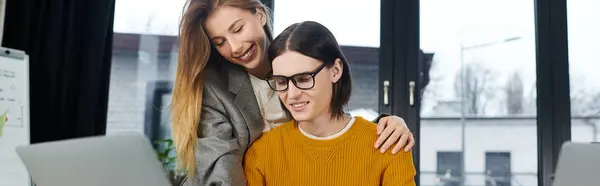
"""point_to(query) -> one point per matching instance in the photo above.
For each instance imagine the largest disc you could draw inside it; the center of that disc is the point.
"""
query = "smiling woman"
(239, 37)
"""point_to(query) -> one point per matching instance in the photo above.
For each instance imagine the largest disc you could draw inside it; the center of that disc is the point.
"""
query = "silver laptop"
(124, 159)
(578, 165)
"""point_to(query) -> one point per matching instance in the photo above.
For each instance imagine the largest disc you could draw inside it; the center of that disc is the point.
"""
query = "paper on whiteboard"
(11, 96)
(14, 109)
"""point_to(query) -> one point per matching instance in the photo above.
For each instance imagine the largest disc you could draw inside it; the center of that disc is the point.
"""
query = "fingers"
(401, 143)
(411, 143)
(390, 141)
(381, 125)
(384, 136)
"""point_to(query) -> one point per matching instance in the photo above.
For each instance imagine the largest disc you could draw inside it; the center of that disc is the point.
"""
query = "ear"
(337, 70)
(262, 16)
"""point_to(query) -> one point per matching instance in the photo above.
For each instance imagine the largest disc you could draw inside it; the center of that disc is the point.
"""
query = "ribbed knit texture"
(284, 156)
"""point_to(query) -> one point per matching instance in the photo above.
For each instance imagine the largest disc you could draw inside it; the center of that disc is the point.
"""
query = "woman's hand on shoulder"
(393, 130)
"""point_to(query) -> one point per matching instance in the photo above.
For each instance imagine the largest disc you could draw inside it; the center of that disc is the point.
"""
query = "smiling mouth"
(246, 56)
(297, 105)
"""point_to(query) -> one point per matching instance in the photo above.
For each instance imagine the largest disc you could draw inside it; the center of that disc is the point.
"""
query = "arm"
(253, 166)
(401, 171)
(218, 154)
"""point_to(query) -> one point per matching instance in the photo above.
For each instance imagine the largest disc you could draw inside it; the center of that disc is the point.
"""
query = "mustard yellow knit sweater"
(284, 156)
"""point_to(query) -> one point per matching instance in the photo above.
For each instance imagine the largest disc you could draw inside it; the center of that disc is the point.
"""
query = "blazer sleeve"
(218, 153)
(383, 115)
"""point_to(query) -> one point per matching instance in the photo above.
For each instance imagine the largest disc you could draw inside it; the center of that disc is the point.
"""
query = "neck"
(325, 125)
(261, 71)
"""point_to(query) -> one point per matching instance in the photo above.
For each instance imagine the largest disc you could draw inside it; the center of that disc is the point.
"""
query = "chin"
(302, 116)
(250, 65)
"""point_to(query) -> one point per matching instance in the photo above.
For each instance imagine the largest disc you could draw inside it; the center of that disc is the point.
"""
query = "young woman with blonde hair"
(220, 103)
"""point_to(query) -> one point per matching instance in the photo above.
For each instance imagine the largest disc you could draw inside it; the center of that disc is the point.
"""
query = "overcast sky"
(445, 25)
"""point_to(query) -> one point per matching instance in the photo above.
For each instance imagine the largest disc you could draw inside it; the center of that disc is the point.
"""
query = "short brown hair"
(314, 40)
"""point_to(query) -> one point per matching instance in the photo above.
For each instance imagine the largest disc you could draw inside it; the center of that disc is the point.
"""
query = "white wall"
(514, 135)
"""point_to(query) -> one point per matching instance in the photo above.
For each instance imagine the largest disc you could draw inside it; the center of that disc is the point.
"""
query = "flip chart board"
(14, 115)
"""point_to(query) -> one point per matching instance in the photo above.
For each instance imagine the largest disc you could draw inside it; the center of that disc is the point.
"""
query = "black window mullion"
(553, 99)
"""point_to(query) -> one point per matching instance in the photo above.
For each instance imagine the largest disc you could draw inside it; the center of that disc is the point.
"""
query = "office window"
(144, 53)
(449, 168)
(481, 94)
(583, 28)
(165, 118)
(497, 169)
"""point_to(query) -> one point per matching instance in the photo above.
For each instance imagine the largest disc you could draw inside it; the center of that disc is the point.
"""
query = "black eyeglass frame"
(293, 79)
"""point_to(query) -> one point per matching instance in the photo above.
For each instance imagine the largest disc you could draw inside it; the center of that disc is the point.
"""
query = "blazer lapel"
(245, 99)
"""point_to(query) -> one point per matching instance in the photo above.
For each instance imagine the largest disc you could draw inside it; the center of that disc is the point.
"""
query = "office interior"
(491, 89)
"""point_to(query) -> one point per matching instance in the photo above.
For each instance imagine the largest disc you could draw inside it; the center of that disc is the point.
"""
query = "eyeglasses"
(303, 81)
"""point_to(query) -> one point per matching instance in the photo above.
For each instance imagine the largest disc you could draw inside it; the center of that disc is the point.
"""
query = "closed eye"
(280, 82)
(219, 42)
(303, 79)
(239, 29)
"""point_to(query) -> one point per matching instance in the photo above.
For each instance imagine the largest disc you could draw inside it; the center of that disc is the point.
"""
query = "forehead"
(291, 62)
(219, 20)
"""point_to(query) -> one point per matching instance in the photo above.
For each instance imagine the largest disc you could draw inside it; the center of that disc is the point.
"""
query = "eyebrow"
(304, 72)
(230, 27)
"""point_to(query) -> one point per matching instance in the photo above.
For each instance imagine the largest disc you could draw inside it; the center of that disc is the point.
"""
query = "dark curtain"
(69, 43)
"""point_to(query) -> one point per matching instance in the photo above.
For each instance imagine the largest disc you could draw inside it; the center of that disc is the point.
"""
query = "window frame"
(552, 74)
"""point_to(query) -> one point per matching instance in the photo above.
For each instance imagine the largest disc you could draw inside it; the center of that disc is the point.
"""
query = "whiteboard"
(14, 113)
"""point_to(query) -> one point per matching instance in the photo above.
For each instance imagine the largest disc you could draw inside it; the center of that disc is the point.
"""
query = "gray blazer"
(230, 122)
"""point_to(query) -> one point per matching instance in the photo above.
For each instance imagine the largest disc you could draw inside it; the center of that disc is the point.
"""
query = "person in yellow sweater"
(322, 145)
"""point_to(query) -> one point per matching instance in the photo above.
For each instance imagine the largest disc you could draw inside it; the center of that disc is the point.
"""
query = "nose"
(236, 47)
(293, 91)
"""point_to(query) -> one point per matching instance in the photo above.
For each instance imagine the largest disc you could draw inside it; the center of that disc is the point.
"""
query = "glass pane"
(584, 42)
(479, 102)
(362, 52)
(144, 54)
(165, 117)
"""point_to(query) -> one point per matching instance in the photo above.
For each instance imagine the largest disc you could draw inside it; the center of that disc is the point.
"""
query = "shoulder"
(216, 80)
(364, 133)
(401, 164)
(215, 75)
(273, 138)
(367, 126)
(275, 135)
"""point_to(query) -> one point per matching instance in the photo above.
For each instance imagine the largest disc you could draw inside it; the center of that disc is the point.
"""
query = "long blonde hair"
(194, 54)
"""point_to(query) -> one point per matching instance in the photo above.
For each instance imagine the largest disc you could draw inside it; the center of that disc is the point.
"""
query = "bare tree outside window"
(515, 97)
(478, 85)
(585, 103)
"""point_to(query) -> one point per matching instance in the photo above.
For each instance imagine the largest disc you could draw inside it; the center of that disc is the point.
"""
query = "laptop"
(578, 165)
(124, 159)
